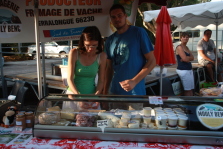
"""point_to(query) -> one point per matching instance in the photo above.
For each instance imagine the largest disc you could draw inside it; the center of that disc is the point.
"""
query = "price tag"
(155, 100)
(102, 124)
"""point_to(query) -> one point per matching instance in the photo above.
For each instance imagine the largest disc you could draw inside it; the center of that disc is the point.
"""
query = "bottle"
(20, 122)
(29, 119)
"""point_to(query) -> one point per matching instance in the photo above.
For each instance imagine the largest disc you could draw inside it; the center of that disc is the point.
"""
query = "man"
(130, 56)
(207, 54)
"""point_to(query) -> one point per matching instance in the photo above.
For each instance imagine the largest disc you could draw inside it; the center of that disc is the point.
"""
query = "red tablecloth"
(24, 140)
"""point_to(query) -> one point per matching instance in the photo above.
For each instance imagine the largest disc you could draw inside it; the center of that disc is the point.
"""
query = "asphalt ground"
(28, 66)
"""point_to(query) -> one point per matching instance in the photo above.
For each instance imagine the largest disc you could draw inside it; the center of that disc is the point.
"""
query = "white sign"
(155, 100)
(59, 20)
(210, 115)
(102, 124)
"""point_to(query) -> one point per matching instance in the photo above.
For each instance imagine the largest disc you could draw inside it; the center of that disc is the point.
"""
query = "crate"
(208, 84)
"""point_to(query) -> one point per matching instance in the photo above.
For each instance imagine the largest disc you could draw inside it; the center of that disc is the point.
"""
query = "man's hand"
(212, 61)
(128, 85)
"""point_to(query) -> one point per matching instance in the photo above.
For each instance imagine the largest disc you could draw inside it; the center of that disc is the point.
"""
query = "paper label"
(28, 121)
(102, 124)
(18, 123)
(155, 100)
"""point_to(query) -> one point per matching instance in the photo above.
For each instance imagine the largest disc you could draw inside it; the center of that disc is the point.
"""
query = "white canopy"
(192, 15)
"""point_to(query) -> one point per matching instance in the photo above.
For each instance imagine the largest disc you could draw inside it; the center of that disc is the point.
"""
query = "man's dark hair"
(207, 31)
(117, 6)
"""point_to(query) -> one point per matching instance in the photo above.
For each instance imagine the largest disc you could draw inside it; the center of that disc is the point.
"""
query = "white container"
(156, 72)
(172, 121)
(147, 111)
(147, 119)
(182, 122)
(161, 121)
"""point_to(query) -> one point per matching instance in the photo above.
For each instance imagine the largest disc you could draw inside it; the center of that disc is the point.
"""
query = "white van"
(196, 34)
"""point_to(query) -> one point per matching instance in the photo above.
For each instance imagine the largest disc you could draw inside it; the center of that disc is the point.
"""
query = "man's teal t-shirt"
(127, 54)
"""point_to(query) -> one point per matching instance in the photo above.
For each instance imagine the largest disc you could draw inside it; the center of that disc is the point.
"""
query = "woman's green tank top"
(84, 77)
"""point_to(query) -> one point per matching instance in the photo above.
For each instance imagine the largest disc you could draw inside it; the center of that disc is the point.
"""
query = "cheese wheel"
(133, 125)
(123, 122)
(56, 108)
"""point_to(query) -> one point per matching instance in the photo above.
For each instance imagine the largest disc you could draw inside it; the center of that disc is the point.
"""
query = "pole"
(39, 73)
(4, 84)
(161, 80)
(43, 69)
(216, 53)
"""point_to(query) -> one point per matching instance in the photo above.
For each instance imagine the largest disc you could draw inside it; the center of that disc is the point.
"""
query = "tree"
(151, 26)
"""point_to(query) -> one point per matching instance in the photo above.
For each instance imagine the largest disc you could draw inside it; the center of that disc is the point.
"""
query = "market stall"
(196, 120)
(182, 122)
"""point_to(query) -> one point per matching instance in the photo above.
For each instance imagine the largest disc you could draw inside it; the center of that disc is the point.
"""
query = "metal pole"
(4, 85)
(71, 44)
(161, 80)
(216, 55)
(43, 68)
(39, 73)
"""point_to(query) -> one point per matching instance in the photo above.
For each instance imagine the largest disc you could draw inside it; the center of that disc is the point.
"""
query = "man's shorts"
(187, 79)
(204, 62)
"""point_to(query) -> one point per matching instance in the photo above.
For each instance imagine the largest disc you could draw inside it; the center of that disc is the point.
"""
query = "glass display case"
(178, 119)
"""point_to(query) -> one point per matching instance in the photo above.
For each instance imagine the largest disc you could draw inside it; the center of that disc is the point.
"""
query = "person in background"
(130, 57)
(184, 67)
(84, 63)
(206, 55)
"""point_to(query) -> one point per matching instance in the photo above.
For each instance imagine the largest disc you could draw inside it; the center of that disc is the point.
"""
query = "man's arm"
(201, 53)
(128, 85)
(108, 76)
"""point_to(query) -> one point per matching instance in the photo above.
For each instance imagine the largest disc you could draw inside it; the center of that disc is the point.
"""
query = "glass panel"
(197, 33)
(189, 33)
(176, 113)
(9, 44)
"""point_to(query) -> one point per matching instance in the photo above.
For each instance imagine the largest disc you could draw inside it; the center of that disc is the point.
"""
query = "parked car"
(52, 49)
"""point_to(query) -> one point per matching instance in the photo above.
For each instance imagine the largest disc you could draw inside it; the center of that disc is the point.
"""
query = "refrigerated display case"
(179, 119)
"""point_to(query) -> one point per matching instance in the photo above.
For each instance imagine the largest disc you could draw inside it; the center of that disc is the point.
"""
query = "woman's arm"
(191, 57)
(72, 58)
(101, 73)
(182, 54)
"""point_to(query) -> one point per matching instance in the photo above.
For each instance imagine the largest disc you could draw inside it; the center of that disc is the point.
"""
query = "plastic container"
(65, 61)
(20, 122)
(29, 119)
(156, 72)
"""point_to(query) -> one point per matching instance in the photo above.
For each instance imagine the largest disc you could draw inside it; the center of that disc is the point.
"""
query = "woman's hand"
(97, 92)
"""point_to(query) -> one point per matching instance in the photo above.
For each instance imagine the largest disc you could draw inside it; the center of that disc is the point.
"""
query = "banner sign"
(59, 20)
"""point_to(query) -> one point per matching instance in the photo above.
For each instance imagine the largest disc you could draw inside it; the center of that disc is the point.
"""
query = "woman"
(84, 63)
(184, 68)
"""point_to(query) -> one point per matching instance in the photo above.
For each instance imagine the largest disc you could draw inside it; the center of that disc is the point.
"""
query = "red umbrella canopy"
(164, 51)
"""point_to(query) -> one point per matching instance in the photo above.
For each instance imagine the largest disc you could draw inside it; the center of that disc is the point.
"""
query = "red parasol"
(164, 51)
